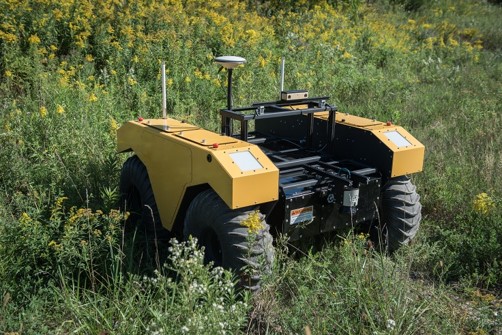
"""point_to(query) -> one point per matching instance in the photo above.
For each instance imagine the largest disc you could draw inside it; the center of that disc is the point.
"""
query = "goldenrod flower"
(113, 125)
(34, 39)
(92, 97)
(54, 245)
(8, 37)
(25, 218)
(453, 42)
(43, 111)
(198, 74)
(131, 81)
(262, 61)
(253, 222)
(483, 203)
(59, 109)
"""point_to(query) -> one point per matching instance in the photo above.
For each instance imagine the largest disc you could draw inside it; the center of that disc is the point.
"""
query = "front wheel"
(401, 212)
(138, 199)
(237, 240)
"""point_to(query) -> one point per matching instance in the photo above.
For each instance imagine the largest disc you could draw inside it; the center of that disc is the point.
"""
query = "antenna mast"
(229, 63)
(164, 93)
(283, 61)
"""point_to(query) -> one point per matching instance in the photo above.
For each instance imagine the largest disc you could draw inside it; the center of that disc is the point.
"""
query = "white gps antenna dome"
(229, 63)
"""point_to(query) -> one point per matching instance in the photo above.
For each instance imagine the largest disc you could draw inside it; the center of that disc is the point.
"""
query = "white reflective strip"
(397, 138)
(245, 161)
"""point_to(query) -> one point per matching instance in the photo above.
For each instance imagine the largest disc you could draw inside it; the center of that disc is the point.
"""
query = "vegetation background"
(72, 71)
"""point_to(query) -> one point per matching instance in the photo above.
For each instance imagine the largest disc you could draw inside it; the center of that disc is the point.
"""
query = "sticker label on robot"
(302, 215)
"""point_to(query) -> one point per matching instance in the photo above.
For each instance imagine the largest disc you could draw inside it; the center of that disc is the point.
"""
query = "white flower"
(391, 324)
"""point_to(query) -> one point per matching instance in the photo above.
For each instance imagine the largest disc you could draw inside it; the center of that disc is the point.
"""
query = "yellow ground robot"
(294, 166)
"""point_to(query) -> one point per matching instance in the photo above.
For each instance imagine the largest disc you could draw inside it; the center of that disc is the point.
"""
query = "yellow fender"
(178, 155)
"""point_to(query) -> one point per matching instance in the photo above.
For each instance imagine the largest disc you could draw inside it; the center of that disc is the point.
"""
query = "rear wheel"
(137, 198)
(401, 212)
(238, 240)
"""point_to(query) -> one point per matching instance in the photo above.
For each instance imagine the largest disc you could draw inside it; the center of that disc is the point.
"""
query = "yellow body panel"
(178, 155)
(406, 159)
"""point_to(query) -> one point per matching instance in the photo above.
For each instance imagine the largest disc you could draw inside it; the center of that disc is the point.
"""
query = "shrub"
(79, 244)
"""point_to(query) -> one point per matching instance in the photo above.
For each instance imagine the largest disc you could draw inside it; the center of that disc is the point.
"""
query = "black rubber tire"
(401, 212)
(137, 198)
(226, 241)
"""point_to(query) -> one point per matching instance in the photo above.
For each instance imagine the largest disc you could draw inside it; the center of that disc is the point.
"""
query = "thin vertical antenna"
(164, 93)
(282, 73)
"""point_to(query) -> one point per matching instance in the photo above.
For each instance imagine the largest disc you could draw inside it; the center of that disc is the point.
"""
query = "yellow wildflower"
(43, 111)
(468, 46)
(113, 125)
(131, 81)
(198, 74)
(483, 203)
(59, 109)
(8, 73)
(92, 97)
(8, 37)
(253, 222)
(89, 58)
(25, 218)
(54, 245)
(34, 39)
(58, 14)
(262, 61)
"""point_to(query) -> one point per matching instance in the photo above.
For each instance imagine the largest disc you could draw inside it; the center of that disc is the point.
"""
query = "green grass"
(433, 67)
